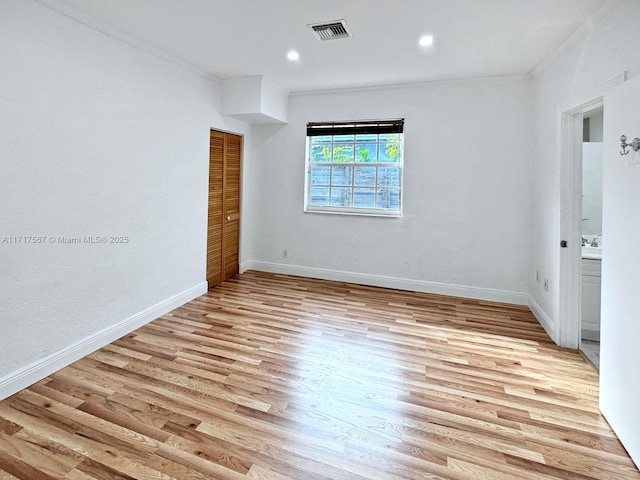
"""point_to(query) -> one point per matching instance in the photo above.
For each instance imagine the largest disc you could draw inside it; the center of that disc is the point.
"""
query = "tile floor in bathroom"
(591, 350)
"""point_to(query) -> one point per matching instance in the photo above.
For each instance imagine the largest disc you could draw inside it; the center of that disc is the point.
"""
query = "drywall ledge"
(38, 370)
(462, 291)
(254, 100)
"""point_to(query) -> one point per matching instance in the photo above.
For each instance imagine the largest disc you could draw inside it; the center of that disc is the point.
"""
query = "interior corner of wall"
(543, 318)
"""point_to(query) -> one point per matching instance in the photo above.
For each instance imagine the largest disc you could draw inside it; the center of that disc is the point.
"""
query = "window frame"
(355, 127)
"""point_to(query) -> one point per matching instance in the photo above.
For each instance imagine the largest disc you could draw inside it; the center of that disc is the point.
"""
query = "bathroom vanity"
(591, 280)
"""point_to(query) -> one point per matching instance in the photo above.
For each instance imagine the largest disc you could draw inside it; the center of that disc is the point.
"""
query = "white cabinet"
(591, 299)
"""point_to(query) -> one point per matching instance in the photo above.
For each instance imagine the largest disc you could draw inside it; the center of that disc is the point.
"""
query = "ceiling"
(236, 38)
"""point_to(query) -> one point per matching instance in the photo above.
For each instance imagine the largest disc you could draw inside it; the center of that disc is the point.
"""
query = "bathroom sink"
(592, 252)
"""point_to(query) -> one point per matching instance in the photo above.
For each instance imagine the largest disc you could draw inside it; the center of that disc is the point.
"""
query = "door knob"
(228, 217)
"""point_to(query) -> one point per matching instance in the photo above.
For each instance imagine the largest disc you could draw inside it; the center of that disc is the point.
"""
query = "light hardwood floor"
(276, 377)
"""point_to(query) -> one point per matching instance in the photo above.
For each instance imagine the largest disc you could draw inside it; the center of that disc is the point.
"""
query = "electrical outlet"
(546, 285)
(285, 254)
(537, 276)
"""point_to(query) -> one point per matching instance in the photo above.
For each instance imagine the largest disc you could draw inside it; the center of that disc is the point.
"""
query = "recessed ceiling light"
(426, 40)
(293, 55)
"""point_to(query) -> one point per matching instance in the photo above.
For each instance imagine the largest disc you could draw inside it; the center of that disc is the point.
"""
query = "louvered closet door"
(224, 207)
(231, 220)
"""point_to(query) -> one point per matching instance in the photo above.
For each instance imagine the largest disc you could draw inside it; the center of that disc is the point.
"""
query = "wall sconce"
(635, 145)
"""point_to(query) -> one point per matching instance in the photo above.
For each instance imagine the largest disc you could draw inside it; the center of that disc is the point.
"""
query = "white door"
(620, 319)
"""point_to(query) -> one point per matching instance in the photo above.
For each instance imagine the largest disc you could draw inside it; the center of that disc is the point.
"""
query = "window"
(355, 167)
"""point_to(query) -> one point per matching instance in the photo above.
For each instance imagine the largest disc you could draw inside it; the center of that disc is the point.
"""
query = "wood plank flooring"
(270, 377)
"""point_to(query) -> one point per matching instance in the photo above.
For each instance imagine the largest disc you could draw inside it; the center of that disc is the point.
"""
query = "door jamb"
(568, 299)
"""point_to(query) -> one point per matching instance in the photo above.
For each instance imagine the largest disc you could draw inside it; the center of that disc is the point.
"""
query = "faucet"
(584, 242)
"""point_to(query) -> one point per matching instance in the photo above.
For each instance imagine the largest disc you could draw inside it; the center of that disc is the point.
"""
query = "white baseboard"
(542, 318)
(477, 293)
(22, 378)
(593, 335)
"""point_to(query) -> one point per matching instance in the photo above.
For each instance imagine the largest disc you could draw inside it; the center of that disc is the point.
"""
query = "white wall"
(465, 228)
(592, 162)
(96, 138)
(596, 126)
(604, 52)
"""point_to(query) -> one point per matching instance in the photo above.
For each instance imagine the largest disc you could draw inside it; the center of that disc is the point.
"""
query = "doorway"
(223, 218)
(567, 312)
(591, 234)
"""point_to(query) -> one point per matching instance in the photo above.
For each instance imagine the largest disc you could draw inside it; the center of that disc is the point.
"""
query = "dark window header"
(316, 129)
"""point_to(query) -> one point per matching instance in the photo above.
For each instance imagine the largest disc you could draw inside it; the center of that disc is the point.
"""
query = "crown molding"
(418, 83)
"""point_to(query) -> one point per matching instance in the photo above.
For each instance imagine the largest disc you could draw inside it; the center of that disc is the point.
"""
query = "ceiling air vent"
(331, 30)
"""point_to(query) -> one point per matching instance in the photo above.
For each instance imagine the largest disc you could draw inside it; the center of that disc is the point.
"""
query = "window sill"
(355, 212)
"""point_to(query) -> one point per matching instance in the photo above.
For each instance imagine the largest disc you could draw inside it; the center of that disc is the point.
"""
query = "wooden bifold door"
(223, 232)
